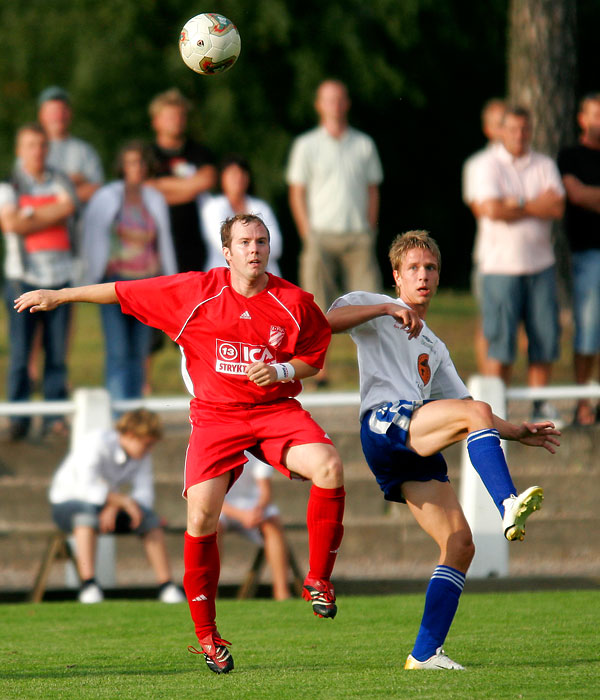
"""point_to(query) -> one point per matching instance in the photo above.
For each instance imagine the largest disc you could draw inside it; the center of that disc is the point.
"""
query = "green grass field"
(517, 645)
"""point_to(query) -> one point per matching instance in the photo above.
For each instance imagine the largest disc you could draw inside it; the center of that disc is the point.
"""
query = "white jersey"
(394, 368)
(244, 494)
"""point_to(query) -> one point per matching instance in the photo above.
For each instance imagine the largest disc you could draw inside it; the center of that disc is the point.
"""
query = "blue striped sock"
(489, 461)
(441, 602)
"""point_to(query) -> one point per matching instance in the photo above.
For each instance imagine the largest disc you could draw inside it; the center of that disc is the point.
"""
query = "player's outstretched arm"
(342, 318)
(49, 299)
(533, 434)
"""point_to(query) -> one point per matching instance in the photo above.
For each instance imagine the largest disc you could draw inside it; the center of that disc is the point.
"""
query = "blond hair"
(169, 98)
(141, 423)
(409, 240)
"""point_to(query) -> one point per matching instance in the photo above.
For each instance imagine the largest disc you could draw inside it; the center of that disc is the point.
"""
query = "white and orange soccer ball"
(209, 43)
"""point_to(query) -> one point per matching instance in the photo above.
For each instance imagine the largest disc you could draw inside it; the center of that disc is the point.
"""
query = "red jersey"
(221, 332)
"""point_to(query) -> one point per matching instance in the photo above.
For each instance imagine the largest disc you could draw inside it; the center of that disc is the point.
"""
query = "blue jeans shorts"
(383, 435)
(586, 301)
(510, 299)
(71, 514)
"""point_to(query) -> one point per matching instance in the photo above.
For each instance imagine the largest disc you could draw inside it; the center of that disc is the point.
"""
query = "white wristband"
(284, 371)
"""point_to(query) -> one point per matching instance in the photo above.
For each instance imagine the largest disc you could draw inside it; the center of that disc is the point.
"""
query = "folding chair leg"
(57, 548)
(298, 578)
(248, 587)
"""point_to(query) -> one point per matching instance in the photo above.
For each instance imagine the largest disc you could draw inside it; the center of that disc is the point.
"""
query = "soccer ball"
(209, 43)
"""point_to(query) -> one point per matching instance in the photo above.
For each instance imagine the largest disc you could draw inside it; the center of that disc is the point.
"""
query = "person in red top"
(246, 338)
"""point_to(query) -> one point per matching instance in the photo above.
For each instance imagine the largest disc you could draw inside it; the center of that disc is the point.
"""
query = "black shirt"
(582, 225)
(185, 223)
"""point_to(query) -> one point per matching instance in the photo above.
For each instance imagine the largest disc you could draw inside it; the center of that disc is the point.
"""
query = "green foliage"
(530, 645)
(418, 72)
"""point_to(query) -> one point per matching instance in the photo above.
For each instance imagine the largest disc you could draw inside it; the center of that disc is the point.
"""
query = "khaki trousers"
(334, 263)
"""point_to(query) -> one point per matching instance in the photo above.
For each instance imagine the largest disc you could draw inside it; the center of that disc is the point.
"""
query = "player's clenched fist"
(410, 320)
(262, 374)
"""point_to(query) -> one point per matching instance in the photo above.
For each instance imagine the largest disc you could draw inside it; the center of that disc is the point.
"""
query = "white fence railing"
(92, 408)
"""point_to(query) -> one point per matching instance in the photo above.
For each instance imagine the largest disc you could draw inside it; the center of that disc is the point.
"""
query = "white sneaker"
(517, 509)
(171, 594)
(439, 661)
(544, 411)
(92, 593)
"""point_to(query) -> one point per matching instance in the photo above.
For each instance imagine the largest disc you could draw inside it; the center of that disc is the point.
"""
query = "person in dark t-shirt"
(186, 170)
(580, 169)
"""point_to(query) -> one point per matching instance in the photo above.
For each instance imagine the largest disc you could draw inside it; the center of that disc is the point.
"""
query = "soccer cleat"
(517, 509)
(438, 662)
(92, 593)
(216, 653)
(322, 596)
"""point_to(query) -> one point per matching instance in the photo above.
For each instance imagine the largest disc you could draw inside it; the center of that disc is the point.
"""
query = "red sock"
(200, 580)
(325, 530)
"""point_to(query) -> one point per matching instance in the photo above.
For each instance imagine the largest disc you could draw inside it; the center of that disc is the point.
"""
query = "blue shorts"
(510, 299)
(383, 434)
(586, 301)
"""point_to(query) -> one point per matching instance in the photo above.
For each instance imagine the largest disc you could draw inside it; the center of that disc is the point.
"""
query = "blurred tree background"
(418, 72)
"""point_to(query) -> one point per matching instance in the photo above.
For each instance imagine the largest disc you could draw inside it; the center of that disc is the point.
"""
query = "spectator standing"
(87, 497)
(580, 169)
(186, 169)
(334, 173)
(75, 157)
(127, 236)
(236, 198)
(248, 509)
(491, 125)
(518, 194)
(36, 216)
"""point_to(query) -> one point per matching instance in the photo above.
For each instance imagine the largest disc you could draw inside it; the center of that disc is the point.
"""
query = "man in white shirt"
(517, 195)
(334, 173)
(492, 116)
(404, 368)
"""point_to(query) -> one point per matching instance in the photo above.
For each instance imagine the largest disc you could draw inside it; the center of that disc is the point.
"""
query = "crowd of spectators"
(62, 224)
(515, 194)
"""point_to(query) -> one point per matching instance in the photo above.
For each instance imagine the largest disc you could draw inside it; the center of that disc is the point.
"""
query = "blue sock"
(441, 601)
(489, 461)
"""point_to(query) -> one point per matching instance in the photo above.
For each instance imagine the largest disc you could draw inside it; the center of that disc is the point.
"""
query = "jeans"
(586, 301)
(21, 328)
(510, 299)
(127, 345)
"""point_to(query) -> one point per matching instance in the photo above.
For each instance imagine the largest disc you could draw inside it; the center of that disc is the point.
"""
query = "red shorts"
(221, 433)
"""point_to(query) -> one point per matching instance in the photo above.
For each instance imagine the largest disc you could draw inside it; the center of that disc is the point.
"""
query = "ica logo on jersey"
(234, 358)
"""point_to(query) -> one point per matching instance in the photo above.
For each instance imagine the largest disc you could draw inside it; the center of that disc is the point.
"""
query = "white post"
(93, 412)
(491, 547)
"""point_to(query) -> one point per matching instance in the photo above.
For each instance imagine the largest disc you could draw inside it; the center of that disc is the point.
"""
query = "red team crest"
(424, 368)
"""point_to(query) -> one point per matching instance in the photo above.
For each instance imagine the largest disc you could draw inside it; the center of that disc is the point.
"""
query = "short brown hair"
(34, 127)
(245, 219)
(145, 152)
(141, 423)
(169, 98)
(589, 97)
(513, 110)
(409, 240)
